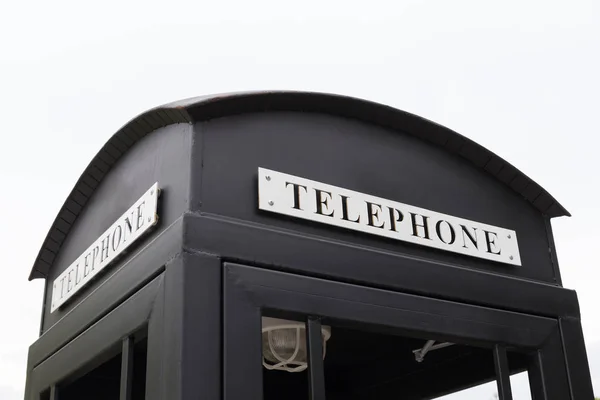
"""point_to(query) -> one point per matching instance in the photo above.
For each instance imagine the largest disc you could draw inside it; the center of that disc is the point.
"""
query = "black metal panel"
(96, 344)
(576, 358)
(191, 342)
(163, 156)
(135, 273)
(368, 159)
(202, 322)
(237, 240)
(368, 112)
(184, 332)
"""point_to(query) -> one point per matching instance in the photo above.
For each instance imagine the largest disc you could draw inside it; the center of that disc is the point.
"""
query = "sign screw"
(511, 257)
(509, 236)
(268, 177)
(151, 192)
(271, 202)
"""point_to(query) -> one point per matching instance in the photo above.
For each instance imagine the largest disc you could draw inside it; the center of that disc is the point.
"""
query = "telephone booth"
(293, 245)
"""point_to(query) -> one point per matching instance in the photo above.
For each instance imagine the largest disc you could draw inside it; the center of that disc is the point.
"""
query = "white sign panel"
(302, 198)
(131, 226)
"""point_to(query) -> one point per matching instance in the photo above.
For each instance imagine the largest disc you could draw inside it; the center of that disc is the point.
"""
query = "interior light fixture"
(284, 344)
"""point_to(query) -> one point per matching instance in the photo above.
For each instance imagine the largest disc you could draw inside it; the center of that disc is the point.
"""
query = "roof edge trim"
(221, 105)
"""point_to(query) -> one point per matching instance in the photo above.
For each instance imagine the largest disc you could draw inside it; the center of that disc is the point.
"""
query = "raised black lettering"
(118, 231)
(128, 227)
(322, 202)
(62, 287)
(69, 281)
(345, 210)
(296, 193)
(491, 241)
(438, 230)
(395, 216)
(95, 253)
(140, 215)
(416, 226)
(472, 237)
(86, 263)
(77, 276)
(373, 215)
(105, 248)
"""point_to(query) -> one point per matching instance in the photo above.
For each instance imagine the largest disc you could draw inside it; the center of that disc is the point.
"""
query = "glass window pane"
(367, 362)
(101, 379)
(101, 383)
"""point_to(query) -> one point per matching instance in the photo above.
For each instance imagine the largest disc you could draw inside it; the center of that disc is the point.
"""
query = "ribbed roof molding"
(214, 106)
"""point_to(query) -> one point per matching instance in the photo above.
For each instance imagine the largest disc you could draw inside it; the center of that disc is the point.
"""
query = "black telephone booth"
(298, 245)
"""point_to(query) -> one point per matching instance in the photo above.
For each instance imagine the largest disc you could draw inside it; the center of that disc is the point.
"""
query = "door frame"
(250, 290)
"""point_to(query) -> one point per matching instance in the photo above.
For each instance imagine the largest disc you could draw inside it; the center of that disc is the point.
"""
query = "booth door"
(346, 341)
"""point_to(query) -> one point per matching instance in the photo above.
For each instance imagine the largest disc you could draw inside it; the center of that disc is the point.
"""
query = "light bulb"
(284, 344)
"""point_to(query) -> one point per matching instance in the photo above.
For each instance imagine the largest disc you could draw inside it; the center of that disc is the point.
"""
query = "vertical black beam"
(126, 369)
(578, 369)
(154, 363)
(502, 373)
(184, 332)
(242, 357)
(316, 373)
(553, 368)
(53, 392)
(535, 374)
(202, 327)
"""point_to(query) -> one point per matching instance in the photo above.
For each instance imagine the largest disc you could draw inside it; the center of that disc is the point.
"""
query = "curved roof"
(214, 106)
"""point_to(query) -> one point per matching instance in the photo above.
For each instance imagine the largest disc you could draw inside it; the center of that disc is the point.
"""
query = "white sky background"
(519, 77)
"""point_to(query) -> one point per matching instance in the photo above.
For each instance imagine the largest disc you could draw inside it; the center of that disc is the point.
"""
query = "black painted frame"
(193, 348)
(188, 352)
(248, 291)
(178, 310)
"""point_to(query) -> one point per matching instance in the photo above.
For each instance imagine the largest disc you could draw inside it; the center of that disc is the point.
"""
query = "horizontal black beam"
(400, 311)
(291, 251)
